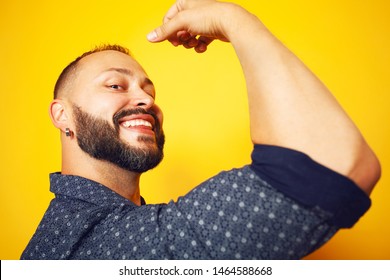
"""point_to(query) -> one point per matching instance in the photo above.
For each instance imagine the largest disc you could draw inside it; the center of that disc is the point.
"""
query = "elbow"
(366, 170)
(375, 173)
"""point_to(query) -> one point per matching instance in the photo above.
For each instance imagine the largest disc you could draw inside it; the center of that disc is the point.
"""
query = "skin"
(288, 105)
(105, 83)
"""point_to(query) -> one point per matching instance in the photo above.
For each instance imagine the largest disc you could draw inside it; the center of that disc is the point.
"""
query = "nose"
(140, 98)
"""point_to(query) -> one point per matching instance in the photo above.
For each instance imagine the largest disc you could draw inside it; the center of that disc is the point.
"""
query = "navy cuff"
(311, 184)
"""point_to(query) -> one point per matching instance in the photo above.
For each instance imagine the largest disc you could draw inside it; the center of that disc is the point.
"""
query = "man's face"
(114, 113)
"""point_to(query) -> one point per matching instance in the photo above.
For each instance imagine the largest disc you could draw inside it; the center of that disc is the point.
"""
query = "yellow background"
(346, 43)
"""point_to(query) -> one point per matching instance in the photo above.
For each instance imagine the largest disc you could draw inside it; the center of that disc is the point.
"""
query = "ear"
(58, 114)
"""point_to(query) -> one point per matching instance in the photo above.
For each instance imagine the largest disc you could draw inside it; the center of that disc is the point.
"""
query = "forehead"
(96, 63)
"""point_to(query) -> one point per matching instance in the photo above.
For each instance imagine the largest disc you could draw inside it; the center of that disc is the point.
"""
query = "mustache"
(136, 111)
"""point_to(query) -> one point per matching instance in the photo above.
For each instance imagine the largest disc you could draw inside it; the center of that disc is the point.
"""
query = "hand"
(193, 24)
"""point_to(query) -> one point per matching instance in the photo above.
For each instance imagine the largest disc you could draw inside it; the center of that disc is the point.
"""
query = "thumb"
(159, 34)
(163, 32)
(153, 36)
(167, 31)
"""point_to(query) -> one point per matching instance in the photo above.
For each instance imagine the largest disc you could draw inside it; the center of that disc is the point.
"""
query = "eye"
(115, 86)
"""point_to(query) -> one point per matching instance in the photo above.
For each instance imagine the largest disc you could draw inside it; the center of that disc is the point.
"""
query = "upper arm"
(290, 107)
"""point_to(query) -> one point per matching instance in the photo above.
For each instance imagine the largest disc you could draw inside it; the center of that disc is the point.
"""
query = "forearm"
(290, 107)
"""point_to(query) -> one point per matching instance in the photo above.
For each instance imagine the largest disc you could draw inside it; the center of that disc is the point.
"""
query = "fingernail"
(152, 36)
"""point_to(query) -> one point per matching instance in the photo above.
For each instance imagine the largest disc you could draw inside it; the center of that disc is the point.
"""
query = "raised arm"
(288, 105)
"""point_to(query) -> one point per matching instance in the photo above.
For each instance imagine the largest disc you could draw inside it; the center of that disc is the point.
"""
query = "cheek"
(104, 106)
(157, 110)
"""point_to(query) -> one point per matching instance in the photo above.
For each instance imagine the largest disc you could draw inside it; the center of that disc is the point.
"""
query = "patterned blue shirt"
(282, 206)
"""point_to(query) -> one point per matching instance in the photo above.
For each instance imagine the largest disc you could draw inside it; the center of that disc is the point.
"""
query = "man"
(311, 172)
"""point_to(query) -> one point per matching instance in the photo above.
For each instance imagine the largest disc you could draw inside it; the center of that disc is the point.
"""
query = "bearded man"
(311, 170)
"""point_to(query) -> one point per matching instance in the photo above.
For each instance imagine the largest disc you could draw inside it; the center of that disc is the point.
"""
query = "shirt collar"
(84, 189)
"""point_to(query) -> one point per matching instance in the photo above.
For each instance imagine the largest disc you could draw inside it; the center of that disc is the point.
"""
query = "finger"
(201, 48)
(203, 43)
(206, 40)
(188, 40)
(177, 40)
(184, 36)
(192, 42)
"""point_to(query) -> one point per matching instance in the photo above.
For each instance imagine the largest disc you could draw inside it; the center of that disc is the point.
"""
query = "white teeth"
(137, 122)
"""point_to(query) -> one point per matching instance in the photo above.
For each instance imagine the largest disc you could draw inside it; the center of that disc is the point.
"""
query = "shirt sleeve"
(311, 184)
(282, 206)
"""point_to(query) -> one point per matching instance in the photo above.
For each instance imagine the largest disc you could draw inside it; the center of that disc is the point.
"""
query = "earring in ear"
(68, 133)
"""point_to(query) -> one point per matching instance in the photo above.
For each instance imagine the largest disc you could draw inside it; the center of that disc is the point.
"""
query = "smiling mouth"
(137, 123)
(143, 124)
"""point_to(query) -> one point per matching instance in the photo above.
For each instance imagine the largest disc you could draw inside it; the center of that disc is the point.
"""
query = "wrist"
(237, 22)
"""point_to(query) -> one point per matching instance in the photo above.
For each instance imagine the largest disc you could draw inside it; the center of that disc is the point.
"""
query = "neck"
(123, 182)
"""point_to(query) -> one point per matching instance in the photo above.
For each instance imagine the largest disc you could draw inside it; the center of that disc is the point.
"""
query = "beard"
(99, 139)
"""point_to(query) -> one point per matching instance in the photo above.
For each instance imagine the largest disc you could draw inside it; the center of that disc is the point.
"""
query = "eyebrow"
(127, 72)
